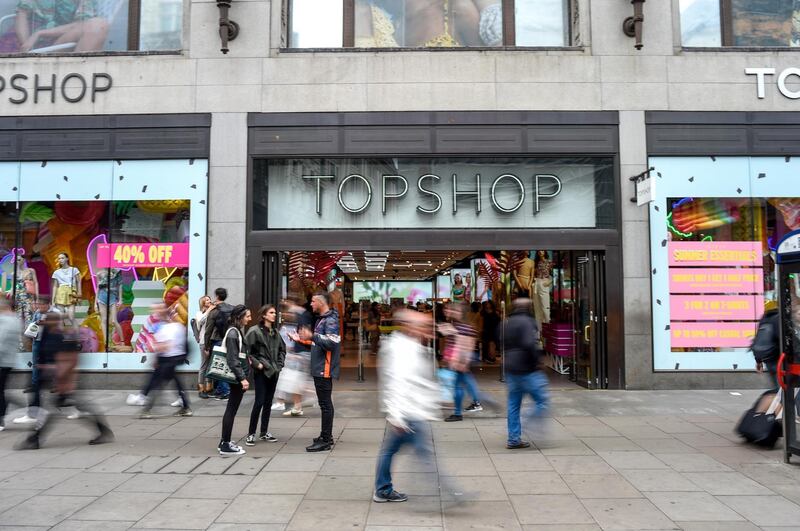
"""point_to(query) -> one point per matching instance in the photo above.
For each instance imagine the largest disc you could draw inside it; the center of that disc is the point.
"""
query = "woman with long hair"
(236, 355)
(199, 331)
(267, 353)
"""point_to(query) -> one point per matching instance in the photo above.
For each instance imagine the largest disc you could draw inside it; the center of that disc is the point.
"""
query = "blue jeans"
(394, 440)
(534, 384)
(464, 379)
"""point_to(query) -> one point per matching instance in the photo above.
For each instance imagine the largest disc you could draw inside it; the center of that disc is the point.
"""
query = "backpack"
(221, 318)
(765, 345)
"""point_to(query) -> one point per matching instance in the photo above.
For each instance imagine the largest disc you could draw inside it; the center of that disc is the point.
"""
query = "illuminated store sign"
(434, 193)
(544, 186)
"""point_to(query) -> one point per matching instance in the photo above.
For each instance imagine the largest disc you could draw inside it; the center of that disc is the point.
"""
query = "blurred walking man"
(520, 335)
(408, 396)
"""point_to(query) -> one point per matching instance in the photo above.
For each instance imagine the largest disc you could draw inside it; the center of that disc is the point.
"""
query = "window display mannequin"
(27, 289)
(468, 287)
(108, 301)
(66, 288)
(458, 288)
(523, 277)
(543, 284)
(436, 24)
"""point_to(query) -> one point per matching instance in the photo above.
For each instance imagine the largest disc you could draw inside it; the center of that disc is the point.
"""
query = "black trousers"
(234, 400)
(265, 392)
(4, 372)
(90, 415)
(164, 373)
(324, 388)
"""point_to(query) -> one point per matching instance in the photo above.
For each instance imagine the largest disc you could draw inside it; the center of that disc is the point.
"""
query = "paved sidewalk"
(613, 460)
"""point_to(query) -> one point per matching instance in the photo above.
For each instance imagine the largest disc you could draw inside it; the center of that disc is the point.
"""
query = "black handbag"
(763, 426)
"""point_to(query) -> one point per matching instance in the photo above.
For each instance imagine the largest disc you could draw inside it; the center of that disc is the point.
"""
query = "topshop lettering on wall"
(395, 193)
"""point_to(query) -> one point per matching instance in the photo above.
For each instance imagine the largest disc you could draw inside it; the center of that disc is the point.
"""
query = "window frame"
(134, 35)
(509, 32)
(726, 33)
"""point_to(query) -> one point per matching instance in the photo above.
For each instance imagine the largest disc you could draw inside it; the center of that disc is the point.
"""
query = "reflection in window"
(315, 24)
(740, 22)
(161, 25)
(541, 22)
(425, 24)
(52, 26)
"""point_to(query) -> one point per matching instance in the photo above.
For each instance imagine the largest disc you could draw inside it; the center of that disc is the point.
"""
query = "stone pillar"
(227, 205)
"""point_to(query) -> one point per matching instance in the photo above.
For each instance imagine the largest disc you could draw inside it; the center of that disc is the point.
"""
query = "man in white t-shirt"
(170, 345)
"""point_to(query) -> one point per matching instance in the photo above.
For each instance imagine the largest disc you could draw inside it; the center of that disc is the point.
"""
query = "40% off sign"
(143, 255)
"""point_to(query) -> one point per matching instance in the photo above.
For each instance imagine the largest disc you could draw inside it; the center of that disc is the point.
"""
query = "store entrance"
(567, 289)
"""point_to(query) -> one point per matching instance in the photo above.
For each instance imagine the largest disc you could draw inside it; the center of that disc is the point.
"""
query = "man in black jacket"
(520, 336)
(215, 330)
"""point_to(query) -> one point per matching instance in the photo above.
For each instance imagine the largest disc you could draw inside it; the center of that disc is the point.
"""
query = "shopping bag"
(218, 368)
(447, 380)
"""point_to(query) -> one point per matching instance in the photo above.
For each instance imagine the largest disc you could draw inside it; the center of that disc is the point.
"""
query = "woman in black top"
(236, 355)
(490, 321)
(267, 352)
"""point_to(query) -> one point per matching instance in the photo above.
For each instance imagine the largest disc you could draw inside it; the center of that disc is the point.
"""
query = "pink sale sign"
(715, 307)
(718, 253)
(716, 280)
(709, 335)
(122, 255)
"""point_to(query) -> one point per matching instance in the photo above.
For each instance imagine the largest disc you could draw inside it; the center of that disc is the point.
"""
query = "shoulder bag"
(218, 368)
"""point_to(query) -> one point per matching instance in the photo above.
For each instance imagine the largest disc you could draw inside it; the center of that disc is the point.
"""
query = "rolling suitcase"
(761, 424)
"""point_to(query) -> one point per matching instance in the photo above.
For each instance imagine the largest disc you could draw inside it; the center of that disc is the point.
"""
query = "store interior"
(364, 284)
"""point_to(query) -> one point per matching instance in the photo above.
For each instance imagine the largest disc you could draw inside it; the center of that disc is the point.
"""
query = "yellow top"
(445, 40)
(382, 32)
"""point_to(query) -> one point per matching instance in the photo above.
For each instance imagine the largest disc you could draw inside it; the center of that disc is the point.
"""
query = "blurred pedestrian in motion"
(171, 352)
(267, 353)
(10, 328)
(57, 362)
(34, 400)
(460, 342)
(524, 374)
(325, 341)
(295, 381)
(199, 324)
(236, 356)
(489, 320)
(408, 396)
(374, 327)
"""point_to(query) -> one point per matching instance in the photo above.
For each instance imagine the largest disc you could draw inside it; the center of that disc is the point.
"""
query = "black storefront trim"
(457, 133)
(133, 137)
(679, 133)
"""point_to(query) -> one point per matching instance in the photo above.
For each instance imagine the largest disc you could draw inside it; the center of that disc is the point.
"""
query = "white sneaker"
(74, 416)
(136, 400)
(177, 403)
(24, 420)
(278, 406)
(2, 428)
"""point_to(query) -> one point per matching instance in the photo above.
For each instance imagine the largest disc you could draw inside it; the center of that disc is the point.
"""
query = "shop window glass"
(134, 235)
(769, 23)
(541, 22)
(714, 232)
(427, 24)
(315, 23)
(64, 26)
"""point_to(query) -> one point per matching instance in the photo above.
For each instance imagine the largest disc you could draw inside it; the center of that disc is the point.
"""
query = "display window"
(714, 229)
(713, 23)
(101, 242)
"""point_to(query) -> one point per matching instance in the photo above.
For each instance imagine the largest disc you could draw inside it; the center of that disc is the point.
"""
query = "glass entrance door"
(591, 364)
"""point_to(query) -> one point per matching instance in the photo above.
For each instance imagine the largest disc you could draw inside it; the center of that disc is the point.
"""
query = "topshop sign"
(396, 187)
(433, 193)
(784, 76)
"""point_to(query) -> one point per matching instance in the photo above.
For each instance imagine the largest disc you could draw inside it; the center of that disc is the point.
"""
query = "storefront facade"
(155, 101)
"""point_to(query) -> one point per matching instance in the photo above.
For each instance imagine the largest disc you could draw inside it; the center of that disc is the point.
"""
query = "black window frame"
(509, 31)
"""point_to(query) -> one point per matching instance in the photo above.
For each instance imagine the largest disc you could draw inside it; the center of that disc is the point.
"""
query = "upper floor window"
(428, 23)
(58, 26)
(713, 23)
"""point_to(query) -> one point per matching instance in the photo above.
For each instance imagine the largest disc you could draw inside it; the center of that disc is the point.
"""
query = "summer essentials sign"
(716, 293)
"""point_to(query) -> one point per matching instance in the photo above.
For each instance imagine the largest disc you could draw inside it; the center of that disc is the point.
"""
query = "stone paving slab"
(609, 460)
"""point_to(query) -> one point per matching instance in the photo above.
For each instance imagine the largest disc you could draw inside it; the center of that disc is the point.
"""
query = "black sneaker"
(28, 443)
(203, 395)
(475, 406)
(393, 496)
(268, 437)
(320, 446)
(518, 445)
(228, 449)
(106, 436)
(454, 418)
(251, 440)
(221, 397)
(183, 412)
